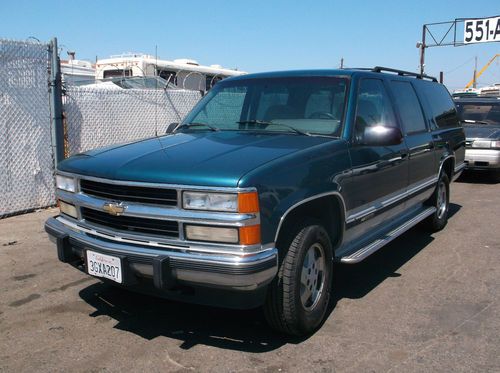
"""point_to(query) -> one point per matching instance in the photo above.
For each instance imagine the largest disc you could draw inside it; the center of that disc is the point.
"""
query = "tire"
(298, 298)
(440, 200)
(495, 175)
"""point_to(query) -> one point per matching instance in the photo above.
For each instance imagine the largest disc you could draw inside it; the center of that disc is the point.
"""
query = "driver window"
(373, 106)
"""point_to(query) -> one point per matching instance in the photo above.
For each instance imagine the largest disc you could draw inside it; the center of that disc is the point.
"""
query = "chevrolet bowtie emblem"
(114, 208)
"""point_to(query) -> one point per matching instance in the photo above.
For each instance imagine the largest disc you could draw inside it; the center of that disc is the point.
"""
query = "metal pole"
(342, 63)
(474, 85)
(422, 51)
(441, 77)
(56, 104)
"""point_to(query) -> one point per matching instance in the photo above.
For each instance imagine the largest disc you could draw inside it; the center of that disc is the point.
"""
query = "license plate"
(106, 266)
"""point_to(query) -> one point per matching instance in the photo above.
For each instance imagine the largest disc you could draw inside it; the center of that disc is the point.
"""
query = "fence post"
(56, 119)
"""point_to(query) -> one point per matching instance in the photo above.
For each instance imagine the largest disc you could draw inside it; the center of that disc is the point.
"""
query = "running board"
(369, 249)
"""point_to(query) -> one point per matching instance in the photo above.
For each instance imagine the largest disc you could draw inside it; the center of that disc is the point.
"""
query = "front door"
(379, 173)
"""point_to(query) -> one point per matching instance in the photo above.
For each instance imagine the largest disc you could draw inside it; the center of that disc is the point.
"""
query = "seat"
(280, 112)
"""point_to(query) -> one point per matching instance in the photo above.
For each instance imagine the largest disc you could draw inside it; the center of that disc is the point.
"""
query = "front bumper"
(482, 159)
(168, 269)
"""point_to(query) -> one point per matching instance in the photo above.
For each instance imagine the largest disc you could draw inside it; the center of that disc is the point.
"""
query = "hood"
(481, 131)
(203, 158)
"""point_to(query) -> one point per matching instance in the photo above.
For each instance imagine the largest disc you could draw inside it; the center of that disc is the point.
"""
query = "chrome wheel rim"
(312, 278)
(442, 204)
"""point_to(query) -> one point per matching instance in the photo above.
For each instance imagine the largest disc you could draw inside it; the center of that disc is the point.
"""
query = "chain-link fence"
(98, 117)
(93, 117)
(26, 171)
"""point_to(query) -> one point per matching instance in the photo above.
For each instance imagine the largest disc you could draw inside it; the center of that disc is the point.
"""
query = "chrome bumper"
(245, 271)
(482, 158)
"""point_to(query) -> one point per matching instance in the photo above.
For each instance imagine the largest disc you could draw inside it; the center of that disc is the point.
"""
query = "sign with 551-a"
(481, 30)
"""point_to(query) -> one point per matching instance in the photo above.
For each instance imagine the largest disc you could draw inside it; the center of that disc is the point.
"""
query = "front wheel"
(441, 201)
(299, 296)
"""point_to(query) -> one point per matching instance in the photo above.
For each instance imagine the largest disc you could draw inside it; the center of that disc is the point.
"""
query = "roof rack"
(379, 69)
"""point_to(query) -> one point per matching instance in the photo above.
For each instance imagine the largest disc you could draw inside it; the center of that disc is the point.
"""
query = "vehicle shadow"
(355, 281)
(151, 317)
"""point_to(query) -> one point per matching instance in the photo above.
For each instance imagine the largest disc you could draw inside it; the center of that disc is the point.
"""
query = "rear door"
(421, 158)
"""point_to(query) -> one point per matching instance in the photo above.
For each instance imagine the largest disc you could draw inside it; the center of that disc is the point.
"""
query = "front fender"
(288, 182)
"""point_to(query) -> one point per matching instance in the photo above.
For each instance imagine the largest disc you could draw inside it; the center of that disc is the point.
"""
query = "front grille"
(132, 224)
(157, 196)
(481, 164)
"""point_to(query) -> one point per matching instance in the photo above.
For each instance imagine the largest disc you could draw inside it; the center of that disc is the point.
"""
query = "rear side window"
(440, 102)
(409, 107)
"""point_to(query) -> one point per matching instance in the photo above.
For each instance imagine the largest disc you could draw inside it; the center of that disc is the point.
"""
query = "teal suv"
(270, 180)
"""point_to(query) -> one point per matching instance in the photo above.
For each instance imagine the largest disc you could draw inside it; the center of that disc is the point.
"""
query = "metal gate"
(26, 166)
(93, 118)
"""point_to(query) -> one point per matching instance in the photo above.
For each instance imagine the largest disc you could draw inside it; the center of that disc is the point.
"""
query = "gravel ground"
(423, 303)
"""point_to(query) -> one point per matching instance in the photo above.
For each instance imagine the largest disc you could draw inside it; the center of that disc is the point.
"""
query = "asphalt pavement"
(424, 303)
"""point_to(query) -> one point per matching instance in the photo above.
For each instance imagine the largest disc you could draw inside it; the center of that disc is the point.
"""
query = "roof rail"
(379, 69)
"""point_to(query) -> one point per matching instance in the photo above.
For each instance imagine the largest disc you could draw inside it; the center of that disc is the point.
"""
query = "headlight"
(224, 202)
(249, 235)
(66, 183)
(68, 209)
(495, 144)
(210, 201)
(485, 144)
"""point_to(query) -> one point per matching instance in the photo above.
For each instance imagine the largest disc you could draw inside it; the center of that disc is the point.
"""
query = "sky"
(259, 35)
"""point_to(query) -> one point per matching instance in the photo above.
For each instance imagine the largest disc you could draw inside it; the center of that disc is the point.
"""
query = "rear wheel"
(298, 298)
(441, 201)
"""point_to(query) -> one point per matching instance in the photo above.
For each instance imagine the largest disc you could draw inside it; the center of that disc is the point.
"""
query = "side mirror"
(382, 136)
(171, 127)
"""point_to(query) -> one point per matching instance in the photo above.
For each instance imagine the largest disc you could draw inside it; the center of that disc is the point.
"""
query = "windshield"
(486, 113)
(299, 105)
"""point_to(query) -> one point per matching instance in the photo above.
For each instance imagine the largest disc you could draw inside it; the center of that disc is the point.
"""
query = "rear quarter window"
(440, 104)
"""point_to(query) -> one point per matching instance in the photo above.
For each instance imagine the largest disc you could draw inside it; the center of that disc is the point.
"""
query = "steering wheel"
(321, 115)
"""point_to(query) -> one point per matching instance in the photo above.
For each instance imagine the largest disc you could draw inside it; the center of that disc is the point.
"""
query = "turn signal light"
(248, 202)
(250, 235)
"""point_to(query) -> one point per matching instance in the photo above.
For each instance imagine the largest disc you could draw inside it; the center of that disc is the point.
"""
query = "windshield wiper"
(197, 124)
(266, 123)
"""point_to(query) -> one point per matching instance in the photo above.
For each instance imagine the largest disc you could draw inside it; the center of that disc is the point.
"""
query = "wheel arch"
(448, 166)
(333, 216)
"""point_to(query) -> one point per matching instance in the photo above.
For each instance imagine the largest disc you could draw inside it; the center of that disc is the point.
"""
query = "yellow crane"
(482, 71)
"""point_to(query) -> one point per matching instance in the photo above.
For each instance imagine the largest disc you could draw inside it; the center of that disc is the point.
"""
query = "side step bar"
(369, 249)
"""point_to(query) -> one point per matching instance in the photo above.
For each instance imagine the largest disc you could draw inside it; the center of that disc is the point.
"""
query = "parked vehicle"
(481, 117)
(77, 72)
(268, 181)
(183, 73)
